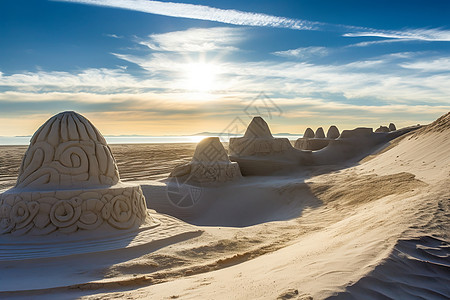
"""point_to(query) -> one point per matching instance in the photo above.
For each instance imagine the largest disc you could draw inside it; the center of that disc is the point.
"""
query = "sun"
(200, 77)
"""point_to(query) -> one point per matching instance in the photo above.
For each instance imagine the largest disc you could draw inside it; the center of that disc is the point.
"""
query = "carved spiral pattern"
(121, 208)
(67, 150)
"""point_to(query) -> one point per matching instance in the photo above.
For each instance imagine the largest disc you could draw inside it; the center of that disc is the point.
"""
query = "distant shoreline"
(135, 139)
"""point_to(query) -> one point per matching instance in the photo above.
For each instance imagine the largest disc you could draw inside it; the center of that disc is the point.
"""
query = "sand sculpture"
(210, 163)
(382, 129)
(258, 140)
(69, 181)
(320, 134)
(309, 133)
(318, 140)
(392, 127)
(333, 132)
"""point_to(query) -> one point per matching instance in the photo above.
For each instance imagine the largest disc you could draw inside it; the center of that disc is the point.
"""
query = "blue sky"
(158, 67)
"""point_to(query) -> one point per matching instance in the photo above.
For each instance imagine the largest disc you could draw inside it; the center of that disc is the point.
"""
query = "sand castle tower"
(258, 140)
(309, 133)
(333, 132)
(319, 133)
(392, 127)
(69, 181)
(210, 163)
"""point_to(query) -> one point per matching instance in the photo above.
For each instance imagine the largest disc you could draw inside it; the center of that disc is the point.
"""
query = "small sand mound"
(382, 129)
(319, 133)
(333, 132)
(392, 127)
(209, 164)
(309, 133)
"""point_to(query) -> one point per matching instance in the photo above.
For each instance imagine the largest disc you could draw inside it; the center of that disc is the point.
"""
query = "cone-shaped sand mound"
(68, 181)
(209, 164)
(319, 133)
(309, 133)
(258, 128)
(333, 132)
(258, 140)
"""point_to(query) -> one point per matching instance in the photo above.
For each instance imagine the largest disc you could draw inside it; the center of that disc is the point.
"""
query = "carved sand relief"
(68, 181)
(210, 163)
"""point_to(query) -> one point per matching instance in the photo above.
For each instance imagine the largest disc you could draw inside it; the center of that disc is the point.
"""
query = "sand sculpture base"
(311, 144)
(209, 164)
(258, 146)
(121, 206)
(217, 172)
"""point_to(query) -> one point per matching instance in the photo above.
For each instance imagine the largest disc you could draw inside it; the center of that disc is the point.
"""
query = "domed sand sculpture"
(69, 181)
(258, 140)
(210, 163)
(392, 127)
(318, 140)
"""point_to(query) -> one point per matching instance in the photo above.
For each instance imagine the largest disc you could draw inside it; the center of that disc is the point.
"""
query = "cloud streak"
(194, 40)
(236, 17)
(202, 12)
(434, 34)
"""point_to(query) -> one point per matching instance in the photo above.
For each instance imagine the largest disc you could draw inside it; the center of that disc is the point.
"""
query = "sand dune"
(374, 230)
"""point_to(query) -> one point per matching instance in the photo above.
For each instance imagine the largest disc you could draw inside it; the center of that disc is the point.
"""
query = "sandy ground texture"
(374, 230)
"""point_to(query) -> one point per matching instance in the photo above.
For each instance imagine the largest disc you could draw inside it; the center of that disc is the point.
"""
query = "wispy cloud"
(303, 53)
(434, 34)
(195, 40)
(114, 36)
(202, 12)
(379, 42)
(433, 65)
(236, 17)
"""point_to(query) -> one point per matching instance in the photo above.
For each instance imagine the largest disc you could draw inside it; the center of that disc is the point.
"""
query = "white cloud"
(202, 12)
(370, 43)
(368, 88)
(440, 64)
(112, 35)
(195, 40)
(303, 53)
(236, 17)
(434, 34)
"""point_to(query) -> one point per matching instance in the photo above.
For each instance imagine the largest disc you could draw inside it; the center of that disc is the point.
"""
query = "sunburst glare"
(200, 77)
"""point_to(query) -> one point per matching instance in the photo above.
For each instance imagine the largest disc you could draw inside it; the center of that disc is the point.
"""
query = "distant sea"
(25, 140)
